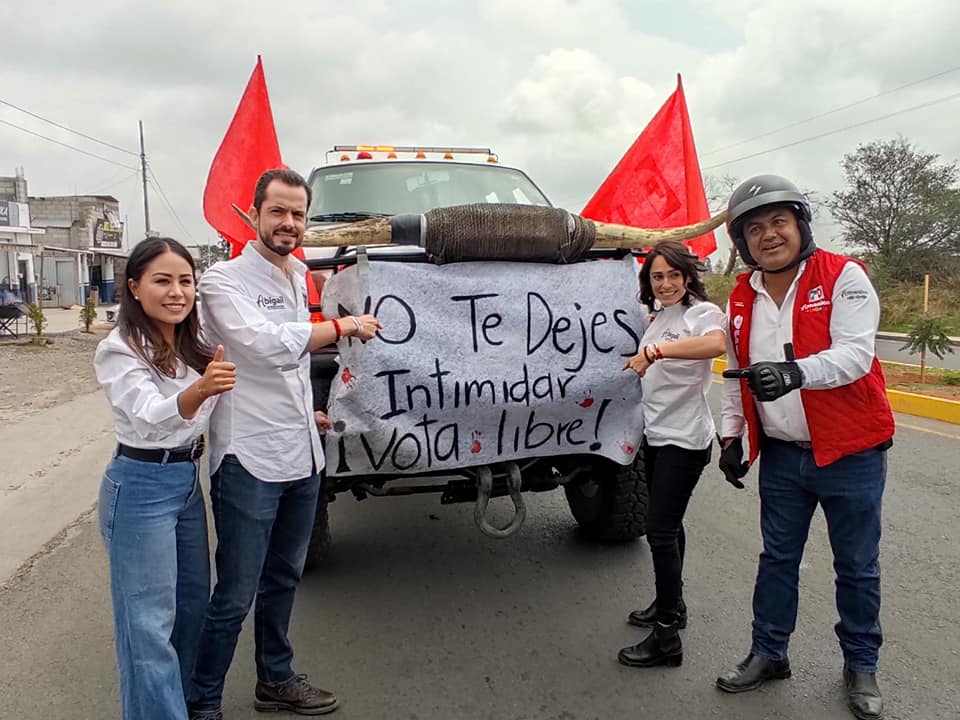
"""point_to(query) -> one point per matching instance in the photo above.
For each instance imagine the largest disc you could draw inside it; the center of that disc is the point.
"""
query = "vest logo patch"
(817, 306)
(816, 302)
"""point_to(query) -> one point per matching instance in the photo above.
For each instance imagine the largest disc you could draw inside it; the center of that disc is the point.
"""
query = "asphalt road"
(890, 349)
(418, 616)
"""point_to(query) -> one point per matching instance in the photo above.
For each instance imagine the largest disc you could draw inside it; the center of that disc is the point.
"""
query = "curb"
(903, 402)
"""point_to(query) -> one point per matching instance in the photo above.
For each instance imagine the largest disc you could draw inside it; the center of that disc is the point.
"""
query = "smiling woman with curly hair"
(686, 332)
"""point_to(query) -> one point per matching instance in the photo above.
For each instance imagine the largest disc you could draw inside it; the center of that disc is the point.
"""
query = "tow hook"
(484, 490)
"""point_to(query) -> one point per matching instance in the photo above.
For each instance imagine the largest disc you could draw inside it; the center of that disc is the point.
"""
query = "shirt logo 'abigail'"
(271, 302)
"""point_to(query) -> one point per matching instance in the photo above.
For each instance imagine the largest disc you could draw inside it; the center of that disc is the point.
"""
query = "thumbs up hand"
(220, 375)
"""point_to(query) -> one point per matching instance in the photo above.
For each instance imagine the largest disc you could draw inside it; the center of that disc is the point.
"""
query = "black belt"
(806, 445)
(187, 453)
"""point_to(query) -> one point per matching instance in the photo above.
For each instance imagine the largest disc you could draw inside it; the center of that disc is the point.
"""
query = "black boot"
(752, 672)
(648, 617)
(661, 647)
(863, 695)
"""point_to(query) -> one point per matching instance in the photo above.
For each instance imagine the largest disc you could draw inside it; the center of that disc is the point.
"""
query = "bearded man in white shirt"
(805, 382)
(265, 451)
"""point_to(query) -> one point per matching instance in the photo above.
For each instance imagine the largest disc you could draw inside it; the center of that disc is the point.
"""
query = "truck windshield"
(392, 188)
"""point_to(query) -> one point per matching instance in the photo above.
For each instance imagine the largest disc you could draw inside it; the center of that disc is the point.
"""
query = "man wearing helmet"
(805, 320)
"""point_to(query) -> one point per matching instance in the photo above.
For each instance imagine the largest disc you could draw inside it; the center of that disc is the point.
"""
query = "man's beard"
(278, 249)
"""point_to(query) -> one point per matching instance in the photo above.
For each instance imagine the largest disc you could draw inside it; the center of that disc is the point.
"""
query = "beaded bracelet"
(336, 327)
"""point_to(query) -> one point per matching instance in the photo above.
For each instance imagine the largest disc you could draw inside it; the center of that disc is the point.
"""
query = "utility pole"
(143, 168)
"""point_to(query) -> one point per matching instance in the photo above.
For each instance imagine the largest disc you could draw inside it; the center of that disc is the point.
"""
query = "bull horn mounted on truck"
(505, 231)
(490, 231)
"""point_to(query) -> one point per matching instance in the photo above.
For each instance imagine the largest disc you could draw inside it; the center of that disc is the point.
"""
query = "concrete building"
(53, 250)
(18, 243)
(83, 246)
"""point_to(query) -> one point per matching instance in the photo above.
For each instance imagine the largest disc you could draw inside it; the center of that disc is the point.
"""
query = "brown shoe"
(296, 695)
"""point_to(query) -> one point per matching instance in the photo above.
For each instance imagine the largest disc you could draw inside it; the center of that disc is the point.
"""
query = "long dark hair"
(139, 330)
(679, 257)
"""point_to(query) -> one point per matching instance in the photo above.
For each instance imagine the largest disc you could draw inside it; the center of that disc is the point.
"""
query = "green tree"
(211, 253)
(900, 209)
(929, 333)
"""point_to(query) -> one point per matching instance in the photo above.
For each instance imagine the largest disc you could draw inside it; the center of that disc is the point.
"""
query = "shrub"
(88, 313)
(37, 318)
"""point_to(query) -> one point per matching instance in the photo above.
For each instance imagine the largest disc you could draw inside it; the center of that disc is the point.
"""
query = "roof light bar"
(412, 149)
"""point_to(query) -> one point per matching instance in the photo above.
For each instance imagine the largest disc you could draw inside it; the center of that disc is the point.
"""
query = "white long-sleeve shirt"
(854, 320)
(675, 410)
(260, 316)
(144, 402)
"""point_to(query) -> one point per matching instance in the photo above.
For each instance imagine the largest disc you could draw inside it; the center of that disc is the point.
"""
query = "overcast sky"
(560, 88)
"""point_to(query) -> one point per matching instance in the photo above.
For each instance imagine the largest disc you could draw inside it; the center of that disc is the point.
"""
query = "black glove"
(769, 380)
(731, 462)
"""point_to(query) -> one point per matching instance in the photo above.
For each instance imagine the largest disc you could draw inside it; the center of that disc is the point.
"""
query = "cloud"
(560, 88)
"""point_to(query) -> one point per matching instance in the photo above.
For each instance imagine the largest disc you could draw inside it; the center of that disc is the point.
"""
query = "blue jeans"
(154, 526)
(850, 491)
(263, 532)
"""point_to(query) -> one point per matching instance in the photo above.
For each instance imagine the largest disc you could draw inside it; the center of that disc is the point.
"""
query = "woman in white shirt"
(685, 333)
(162, 382)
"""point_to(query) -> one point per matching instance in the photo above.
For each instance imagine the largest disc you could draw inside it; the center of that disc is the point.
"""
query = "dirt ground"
(907, 380)
(37, 377)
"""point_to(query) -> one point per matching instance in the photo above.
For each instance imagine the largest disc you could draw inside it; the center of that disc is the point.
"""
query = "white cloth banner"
(484, 362)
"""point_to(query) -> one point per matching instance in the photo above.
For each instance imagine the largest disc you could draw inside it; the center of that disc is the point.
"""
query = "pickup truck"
(607, 500)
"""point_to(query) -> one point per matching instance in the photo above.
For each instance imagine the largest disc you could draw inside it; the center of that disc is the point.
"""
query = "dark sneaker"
(206, 715)
(296, 695)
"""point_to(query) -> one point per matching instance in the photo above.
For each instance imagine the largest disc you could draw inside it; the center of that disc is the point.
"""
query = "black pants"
(672, 474)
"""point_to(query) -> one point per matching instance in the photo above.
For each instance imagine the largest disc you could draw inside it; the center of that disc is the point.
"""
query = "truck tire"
(610, 504)
(319, 546)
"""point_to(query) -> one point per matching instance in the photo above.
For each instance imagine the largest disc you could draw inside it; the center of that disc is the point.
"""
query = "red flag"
(248, 149)
(657, 183)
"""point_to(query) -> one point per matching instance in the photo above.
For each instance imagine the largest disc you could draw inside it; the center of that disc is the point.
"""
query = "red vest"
(843, 420)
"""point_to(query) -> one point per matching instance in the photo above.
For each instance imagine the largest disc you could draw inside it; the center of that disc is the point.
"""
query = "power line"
(852, 126)
(71, 147)
(156, 184)
(64, 127)
(830, 112)
(114, 182)
(837, 130)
